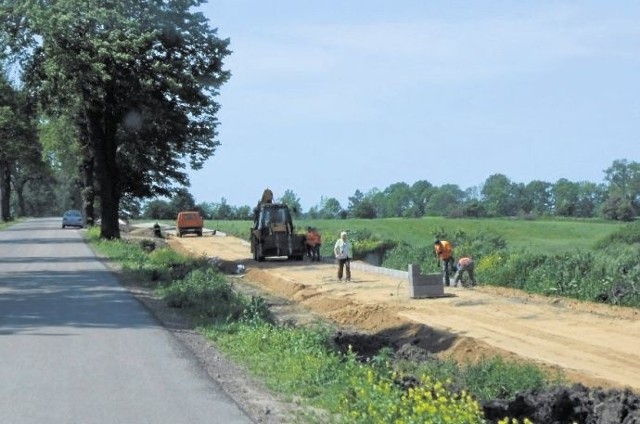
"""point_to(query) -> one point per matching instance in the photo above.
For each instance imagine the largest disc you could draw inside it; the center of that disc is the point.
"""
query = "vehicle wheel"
(63, 227)
(199, 233)
(254, 249)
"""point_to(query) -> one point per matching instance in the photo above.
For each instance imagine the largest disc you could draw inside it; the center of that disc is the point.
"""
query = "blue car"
(72, 218)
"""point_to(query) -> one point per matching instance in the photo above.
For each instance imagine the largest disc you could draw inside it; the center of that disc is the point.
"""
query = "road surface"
(76, 347)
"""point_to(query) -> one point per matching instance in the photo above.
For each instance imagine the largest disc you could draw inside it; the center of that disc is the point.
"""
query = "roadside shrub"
(147, 245)
(491, 269)
(478, 245)
(495, 378)
(487, 378)
(628, 234)
(310, 369)
(365, 242)
(166, 257)
(168, 265)
(609, 276)
(377, 395)
(207, 294)
(615, 276)
(509, 269)
(403, 254)
(130, 255)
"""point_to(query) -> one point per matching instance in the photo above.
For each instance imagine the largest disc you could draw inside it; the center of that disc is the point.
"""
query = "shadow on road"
(31, 302)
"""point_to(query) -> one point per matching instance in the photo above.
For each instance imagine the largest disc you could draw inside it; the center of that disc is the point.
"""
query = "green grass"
(542, 236)
(8, 224)
(313, 373)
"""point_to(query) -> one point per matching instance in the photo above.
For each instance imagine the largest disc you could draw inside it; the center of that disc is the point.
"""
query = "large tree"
(139, 77)
(590, 197)
(330, 208)
(290, 199)
(565, 197)
(498, 195)
(624, 184)
(19, 151)
(421, 191)
(445, 200)
(537, 197)
(397, 199)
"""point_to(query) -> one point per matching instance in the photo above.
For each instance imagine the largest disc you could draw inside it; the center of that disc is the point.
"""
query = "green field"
(543, 236)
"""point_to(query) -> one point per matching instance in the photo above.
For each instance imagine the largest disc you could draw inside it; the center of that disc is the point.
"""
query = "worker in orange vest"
(314, 243)
(444, 253)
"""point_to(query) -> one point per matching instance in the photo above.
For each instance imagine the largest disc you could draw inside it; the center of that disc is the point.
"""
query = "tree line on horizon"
(616, 199)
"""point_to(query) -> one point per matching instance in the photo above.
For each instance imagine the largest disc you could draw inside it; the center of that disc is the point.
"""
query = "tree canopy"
(138, 79)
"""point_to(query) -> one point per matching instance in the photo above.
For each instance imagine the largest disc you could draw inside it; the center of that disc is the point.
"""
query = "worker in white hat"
(343, 253)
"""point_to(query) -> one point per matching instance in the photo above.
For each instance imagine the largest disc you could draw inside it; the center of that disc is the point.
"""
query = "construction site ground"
(594, 344)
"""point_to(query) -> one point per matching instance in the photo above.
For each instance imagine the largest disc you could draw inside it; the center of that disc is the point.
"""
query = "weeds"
(303, 364)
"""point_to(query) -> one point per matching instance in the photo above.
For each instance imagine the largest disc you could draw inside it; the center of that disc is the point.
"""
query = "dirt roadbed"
(594, 344)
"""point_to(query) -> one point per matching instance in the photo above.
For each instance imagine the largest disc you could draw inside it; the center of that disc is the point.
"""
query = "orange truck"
(189, 222)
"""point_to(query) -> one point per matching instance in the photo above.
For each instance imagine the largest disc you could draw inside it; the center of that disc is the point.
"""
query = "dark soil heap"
(576, 404)
(558, 405)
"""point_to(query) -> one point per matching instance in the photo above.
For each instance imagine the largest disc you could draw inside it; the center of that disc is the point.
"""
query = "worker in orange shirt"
(444, 253)
(314, 243)
(318, 245)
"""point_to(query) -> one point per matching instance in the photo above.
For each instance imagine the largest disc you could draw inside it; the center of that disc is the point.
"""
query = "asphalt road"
(76, 347)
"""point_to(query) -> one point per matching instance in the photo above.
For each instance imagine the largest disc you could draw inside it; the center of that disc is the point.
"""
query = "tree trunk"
(88, 192)
(87, 172)
(5, 190)
(19, 190)
(102, 135)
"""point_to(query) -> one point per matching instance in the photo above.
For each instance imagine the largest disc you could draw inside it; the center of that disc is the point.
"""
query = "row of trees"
(617, 199)
(498, 196)
(109, 102)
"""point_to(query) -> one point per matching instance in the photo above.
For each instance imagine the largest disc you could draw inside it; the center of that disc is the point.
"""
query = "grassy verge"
(8, 224)
(303, 365)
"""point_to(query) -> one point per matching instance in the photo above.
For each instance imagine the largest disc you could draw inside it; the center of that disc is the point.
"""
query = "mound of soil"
(560, 404)
(575, 404)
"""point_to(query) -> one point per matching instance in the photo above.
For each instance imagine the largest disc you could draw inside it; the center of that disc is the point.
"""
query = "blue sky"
(328, 97)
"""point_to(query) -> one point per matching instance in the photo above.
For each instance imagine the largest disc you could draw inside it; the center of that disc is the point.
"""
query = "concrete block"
(424, 285)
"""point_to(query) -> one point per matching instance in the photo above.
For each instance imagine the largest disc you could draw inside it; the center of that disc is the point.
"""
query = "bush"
(380, 395)
(364, 242)
(610, 276)
(207, 294)
(494, 378)
(629, 234)
(403, 254)
(476, 245)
